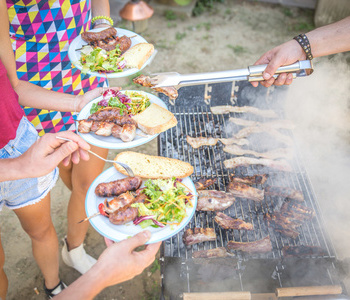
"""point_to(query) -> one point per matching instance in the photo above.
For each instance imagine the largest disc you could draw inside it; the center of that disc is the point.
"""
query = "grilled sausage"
(90, 36)
(124, 43)
(117, 187)
(106, 114)
(104, 128)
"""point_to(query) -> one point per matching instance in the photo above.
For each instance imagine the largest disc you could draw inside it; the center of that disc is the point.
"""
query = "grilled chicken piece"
(204, 183)
(276, 124)
(278, 153)
(118, 202)
(260, 246)
(227, 222)
(302, 251)
(126, 132)
(104, 128)
(280, 165)
(212, 200)
(225, 109)
(233, 140)
(255, 179)
(284, 192)
(216, 252)
(117, 187)
(84, 126)
(201, 141)
(198, 235)
(242, 190)
(146, 81)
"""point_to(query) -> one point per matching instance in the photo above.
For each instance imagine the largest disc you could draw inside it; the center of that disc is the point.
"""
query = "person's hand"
(48, 151)
(82, 100)
(285, 54)
(120, 262)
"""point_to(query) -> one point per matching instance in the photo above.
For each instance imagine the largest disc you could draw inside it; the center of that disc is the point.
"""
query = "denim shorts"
(22, 192)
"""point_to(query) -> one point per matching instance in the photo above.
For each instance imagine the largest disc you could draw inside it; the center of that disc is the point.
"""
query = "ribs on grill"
(302, 251)
(260, 246)
(233, 140)
(226, 109)
(285, 192)
(212, 200)
(251, 180)
(198, 235)
(276, 124)
(242, 190)
(197, 142)
(204, 183)
(280, 165)
(210, 253)
(227, 222)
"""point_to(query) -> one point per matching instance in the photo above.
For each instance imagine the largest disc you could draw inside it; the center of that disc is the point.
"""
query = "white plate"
(77, 43)
(120, 232)
(110, 142)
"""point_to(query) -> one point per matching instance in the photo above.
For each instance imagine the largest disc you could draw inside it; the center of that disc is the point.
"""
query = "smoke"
(319, 106)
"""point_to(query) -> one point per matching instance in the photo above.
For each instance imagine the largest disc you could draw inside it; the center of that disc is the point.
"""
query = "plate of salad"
(92, 60)
(171, 206)
(131, 101)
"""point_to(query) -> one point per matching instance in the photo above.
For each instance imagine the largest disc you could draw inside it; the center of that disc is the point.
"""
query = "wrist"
(98, 20)
(304, 44)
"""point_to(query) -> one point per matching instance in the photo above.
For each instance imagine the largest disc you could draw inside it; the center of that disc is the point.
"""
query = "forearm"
(10, 169)
(330, 39)
(38, 97)
(100, 8)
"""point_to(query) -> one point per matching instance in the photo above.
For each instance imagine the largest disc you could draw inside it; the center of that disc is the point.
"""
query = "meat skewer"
(106, 114)
(286, 153)
(260, 246)
(216, 252)
(117, 187)
(201, 141)
(233, 140)
(225, 109)
(280, 165)
(117, 203)
(211, 200)
(242, 190)
(204, 183)
(227, 222)
(255, 179)
(198, 235)
(285, 192)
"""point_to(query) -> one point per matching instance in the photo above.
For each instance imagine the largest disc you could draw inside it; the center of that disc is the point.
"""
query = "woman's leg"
(3, 277)
(83, 174)
(36, 221)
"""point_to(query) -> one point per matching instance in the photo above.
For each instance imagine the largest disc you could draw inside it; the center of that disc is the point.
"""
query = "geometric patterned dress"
(40, 32)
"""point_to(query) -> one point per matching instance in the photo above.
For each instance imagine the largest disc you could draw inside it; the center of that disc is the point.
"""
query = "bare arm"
(118, 263)
(326, 40)
(100, 8)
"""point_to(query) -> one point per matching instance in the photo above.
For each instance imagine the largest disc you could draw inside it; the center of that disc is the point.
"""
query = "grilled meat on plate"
(117, 187)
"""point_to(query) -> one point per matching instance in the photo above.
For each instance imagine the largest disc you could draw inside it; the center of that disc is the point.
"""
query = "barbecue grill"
(256, 273)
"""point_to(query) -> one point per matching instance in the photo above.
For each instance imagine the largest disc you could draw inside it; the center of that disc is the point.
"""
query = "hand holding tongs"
(252, 73)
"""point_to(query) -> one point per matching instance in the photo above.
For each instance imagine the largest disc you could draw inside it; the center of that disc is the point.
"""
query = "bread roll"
(153, 167)
(137, 55)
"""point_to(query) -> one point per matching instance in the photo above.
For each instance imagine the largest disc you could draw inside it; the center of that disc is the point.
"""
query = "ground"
(232, 35)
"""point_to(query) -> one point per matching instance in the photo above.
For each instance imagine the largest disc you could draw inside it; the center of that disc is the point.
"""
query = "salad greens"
(167, 204)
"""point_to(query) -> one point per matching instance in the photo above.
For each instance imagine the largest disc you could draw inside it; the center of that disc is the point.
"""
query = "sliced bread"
(155, 119)
(153, 167)
(137, 55)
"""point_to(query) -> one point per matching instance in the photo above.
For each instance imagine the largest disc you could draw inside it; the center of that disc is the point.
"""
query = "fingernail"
(147, 234)
(266, 75)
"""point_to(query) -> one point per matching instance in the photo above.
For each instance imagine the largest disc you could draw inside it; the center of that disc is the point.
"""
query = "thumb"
(271, 68)
(63, 151)
(139, 239)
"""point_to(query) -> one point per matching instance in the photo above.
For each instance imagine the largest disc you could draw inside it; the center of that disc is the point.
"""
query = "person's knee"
(41, 232)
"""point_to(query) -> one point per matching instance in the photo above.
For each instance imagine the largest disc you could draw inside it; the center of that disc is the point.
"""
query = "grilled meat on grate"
(197, 142)
(226, 109)
(255, 179)
(198, 235)
(297, 210)
(216, 252)
(260, 246)
(285, 192)
(276, 124)
(242, 190)
(280, 165)
(233, 140)
(212, 200)
(227, 222)
(302, 251)
(204, 183)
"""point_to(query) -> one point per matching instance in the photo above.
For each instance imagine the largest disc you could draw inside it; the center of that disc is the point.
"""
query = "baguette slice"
(155, 119)
(137, 55)
(153, 167)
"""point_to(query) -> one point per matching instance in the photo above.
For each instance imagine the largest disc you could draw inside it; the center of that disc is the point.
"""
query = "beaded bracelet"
(305, 44)
(109, 19)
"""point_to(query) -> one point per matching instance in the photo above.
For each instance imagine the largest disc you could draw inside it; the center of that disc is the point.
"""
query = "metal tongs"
(252, 73)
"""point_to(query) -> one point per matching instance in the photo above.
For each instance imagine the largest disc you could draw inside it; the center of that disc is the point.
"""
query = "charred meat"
(242, 190)
(204, 183)
(216, 252)
(251, 180)
(201, 141)
(227, 222)
(212, 200)
(260, 246)
(117, 187)
(225, 109)
(198, 235)
(302, 251)
(284, 192)
(297, 210)
(233, 140)
(280, 165)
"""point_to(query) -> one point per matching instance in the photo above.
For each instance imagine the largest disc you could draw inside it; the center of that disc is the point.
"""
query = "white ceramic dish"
(77, 43)
(110, 142)
(120, 232)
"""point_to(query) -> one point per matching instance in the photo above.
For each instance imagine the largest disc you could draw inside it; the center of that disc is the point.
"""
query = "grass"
(170, 15)
(237, 49)
(180, 35)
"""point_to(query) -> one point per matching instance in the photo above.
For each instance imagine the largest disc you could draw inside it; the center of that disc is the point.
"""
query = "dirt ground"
(233, 35)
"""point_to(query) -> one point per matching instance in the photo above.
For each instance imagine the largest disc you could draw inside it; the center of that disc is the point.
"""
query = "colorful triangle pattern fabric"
(41, 32)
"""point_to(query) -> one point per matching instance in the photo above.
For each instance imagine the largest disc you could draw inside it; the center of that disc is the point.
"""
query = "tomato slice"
(101, 210)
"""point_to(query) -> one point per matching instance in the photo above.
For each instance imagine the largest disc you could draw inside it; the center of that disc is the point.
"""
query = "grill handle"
(309, 291)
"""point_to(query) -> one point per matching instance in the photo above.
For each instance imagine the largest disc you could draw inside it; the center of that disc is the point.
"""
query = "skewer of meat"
(106, 114)
(210, 253)
(201, 141)
(117, 187)
(146, 81)
(212, 200)
(198, 235)
(204, 183)
(227, 222)
(280, 165)
(255, 179)
(233, 140)
(225, 109)
(286, 153)
(276, 124)
(242, 190)
(260, 246)
(284, 192)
